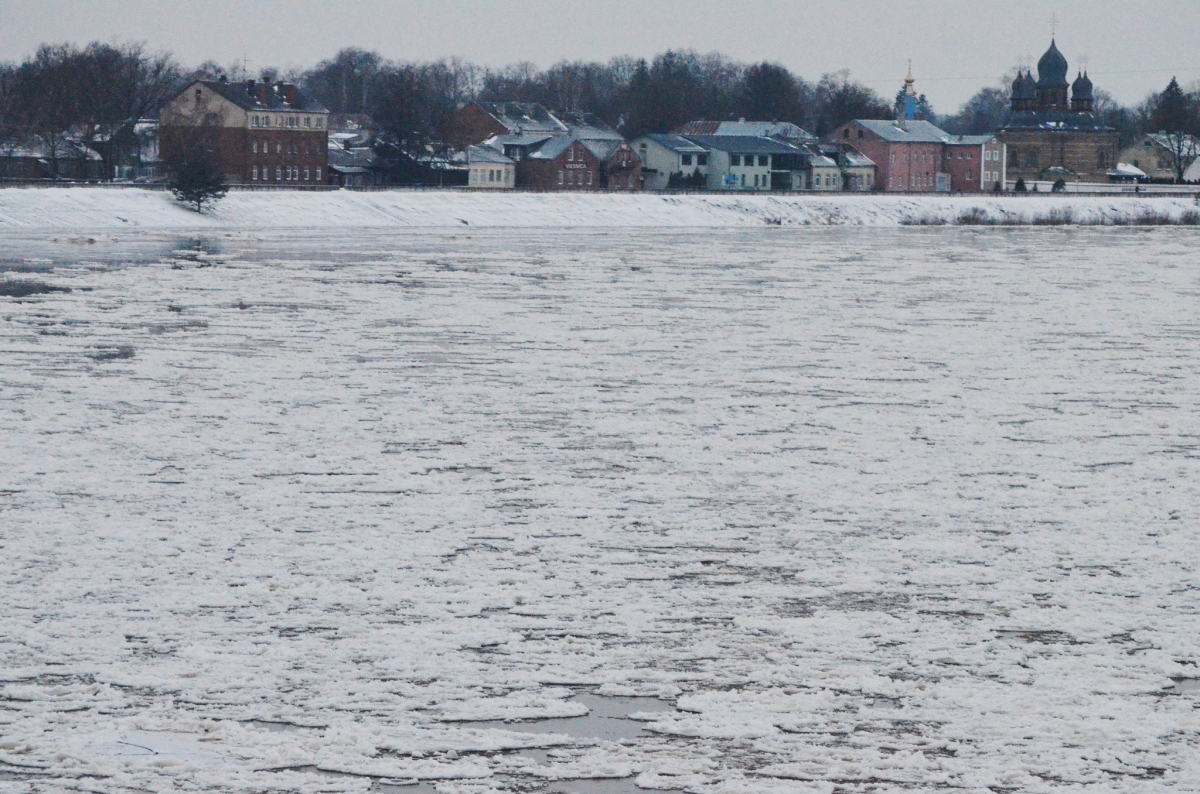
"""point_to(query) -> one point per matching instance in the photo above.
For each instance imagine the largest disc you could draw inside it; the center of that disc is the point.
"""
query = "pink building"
(975, 163)
(907, 154)
(913, 156)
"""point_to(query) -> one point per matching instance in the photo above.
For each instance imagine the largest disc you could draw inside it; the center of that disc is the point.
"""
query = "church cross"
(1053, 25)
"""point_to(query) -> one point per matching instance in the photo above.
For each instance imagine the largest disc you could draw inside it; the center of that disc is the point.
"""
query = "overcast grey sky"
(956, 46)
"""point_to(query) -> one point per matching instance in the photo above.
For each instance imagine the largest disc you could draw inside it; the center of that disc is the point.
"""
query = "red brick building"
(561, 163)
(261, 133)
(975, 163)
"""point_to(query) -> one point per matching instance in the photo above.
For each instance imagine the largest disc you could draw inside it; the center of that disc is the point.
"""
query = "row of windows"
(576, 177)
(914, 180)
(281, 147)
(481, 175)
(312, 122)
(686, 159)
(1031, 159)
(283, 174)
(764, 160)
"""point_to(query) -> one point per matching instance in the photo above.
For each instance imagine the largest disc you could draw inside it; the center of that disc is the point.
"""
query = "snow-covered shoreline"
(91, 208)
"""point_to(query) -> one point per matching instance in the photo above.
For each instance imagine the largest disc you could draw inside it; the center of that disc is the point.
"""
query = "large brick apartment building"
(261, 133)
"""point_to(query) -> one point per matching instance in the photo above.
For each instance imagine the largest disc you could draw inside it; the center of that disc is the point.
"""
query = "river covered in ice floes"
(767, 510)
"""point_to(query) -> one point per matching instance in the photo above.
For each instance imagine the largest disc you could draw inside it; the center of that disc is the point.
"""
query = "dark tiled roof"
(246, 97)
(914, 132)
(523, 116)
(1053, 120)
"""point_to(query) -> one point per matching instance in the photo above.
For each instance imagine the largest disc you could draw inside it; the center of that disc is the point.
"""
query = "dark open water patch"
(23, 288)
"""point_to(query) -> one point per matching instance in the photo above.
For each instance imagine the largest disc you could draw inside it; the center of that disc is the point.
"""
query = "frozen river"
(823, 510)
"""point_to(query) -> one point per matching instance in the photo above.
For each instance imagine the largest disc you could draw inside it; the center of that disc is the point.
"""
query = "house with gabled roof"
(475, 122)
(670, 160)
(262, 133)
(561, 163)
(490, 169)
(1154, 153)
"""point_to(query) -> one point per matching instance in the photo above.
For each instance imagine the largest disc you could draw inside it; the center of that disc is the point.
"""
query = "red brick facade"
(261, 134)
(623, 169)
(574, 168)
(471, 125)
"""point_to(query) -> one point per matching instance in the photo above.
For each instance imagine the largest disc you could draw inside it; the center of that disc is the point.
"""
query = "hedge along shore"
(92, 209)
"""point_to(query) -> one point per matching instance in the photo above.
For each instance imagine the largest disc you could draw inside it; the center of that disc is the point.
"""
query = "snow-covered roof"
(743, 144)
(1189, 145)
(524, 116)
(553, 148)
(262, 96)
(821, 161)
(856, 159)
(1127, 170)
(676, 143)
(486, 154)
(914, 131)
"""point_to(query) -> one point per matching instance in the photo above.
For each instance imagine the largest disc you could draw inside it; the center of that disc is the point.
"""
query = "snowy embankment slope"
(91, 208)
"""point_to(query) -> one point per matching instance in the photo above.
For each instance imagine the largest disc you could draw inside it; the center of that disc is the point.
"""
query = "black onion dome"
(1082, 87)
(1029, 87)
(1052, 69)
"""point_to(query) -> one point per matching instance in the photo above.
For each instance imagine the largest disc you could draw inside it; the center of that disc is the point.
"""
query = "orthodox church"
(1050, 136)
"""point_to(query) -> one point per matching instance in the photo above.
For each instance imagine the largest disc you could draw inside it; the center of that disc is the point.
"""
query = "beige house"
(1153, 154)
(489, 169)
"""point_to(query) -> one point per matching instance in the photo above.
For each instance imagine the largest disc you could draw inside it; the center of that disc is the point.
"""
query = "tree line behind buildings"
(92, 92)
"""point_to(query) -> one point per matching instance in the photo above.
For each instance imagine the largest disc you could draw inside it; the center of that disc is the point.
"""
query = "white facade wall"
(663, 161)
(492, 176)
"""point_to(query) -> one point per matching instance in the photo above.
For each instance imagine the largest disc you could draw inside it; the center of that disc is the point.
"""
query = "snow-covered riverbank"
(92, 208)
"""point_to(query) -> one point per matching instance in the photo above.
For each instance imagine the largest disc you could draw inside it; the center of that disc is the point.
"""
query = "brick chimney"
(260, 93)
(288, 90)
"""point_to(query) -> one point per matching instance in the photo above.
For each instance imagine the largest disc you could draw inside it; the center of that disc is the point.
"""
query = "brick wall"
(1077, 151)
(471, 125)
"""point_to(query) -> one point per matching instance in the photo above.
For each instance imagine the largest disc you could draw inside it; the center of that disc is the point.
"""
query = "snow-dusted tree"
(1176, 115)
(194, 168)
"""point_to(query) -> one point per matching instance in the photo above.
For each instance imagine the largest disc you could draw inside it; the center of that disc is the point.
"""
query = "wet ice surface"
(875, 510)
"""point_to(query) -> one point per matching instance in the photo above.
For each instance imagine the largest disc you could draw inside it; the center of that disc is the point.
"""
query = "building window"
(318, 174)
(686, 159)
(968, 176)
(631, 180)
(571, 155)
(305, 174)
(200, 95)
(702, 159)
(893, 158)
(278, 173)
(743, 180)
(589, 177)
(560, 177)
(254, 146)
(970, 154)
(254, 174)
(846, 133)
(735, 159)
(764, 160)
(1031, 160)
(308, 121)
(860, 133)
